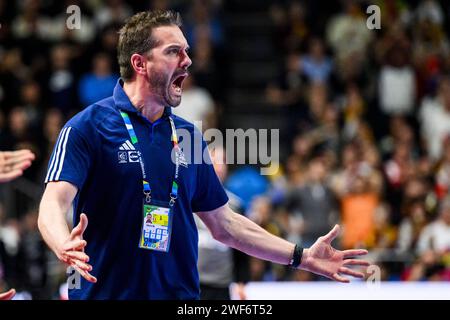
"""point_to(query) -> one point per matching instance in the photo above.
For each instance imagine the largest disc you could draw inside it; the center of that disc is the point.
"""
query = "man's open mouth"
(177, 83)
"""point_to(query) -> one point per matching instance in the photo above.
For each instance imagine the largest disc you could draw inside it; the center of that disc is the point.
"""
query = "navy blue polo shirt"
(94, 153)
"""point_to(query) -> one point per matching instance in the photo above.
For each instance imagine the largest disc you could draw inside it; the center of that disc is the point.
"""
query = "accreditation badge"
(156, 228)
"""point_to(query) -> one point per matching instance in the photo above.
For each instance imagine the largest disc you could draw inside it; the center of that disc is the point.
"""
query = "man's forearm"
(52, 224)
(245, 235)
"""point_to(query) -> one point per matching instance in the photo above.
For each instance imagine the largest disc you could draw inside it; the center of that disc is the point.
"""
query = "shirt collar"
(122, 101)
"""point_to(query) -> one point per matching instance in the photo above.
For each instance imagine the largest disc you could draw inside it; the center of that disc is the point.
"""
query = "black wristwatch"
(296, 257)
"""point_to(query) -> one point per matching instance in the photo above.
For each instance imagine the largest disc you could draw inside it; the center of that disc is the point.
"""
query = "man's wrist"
(305, 254)
(297, 255)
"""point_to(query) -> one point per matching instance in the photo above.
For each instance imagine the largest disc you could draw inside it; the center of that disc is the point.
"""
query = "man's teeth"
(176, 88)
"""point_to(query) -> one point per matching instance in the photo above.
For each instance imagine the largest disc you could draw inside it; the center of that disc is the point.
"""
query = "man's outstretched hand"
(13, 163)
(72, 251)
(7, 295)
(321, 258)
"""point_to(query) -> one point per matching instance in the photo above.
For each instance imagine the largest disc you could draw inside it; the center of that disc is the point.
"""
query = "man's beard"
(160, 85)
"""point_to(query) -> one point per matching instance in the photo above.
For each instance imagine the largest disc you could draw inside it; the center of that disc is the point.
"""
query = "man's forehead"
(169, 34)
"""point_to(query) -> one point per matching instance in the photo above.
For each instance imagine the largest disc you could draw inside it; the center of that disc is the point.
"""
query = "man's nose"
(186, 61)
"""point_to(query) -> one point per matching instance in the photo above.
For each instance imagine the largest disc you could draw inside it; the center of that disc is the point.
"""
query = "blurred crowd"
(370, 121)
(368, 125)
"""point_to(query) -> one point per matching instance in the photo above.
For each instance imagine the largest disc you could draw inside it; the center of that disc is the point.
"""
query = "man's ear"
(139, 63)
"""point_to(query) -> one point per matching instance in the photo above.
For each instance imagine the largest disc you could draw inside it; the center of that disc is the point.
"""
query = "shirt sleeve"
(71, 158)
(209, 193)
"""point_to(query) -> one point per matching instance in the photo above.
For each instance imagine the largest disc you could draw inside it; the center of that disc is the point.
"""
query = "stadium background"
(364, 119)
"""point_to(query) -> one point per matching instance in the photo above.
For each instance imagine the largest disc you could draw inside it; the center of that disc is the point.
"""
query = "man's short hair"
(136, 36)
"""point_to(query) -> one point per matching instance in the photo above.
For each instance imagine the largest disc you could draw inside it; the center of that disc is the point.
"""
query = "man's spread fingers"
(351, 272)
(339, 278)
(356, 262)
(75, 245)
(77, 255)
(85, 274)
(354, 252)
(80, 264)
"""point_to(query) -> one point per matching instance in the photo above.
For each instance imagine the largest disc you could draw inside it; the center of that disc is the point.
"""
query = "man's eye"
(173, 51)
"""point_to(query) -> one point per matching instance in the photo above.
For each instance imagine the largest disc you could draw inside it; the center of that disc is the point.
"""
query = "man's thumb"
(8, 295)
(81, 226)
(330, 236)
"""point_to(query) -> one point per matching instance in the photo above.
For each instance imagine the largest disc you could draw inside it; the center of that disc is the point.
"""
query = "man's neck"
(143, 102)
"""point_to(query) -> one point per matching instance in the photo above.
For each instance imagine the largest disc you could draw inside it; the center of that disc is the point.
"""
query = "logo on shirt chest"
(127, 153)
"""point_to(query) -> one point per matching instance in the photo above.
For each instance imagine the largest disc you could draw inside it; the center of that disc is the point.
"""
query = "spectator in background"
(286, 90)
(204, 66)
(61, 82)
(260, 212)
(53, 122)
(30, 96)
(358, 187)
(295, 173)
(358, 210)
(246, 182)
(430, 10)
(398, 168)
(290, 26)
(297, 26)
(442, 177)
(108, 43)
(21, 136)
(316, 66)
(204, 32)
(29, 23)
(105, 42)
(197, 105)
(393, 12)
(397, 84)
(326, 134)
(436, 235)
(12, 72)
(113, 11)
(33, 256)
(19, 128)
(349, 36)
(435, 118)
(414, 220)
(430, 45)
(202, 21)
(428, 267)
(312, 203)
(98, 84)
(385, 234)
(430, 37)
(400, 133)
(55, 29)
(321, 129)
(352, 106)
(3, 132)
(10, 240)
(317, 102)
